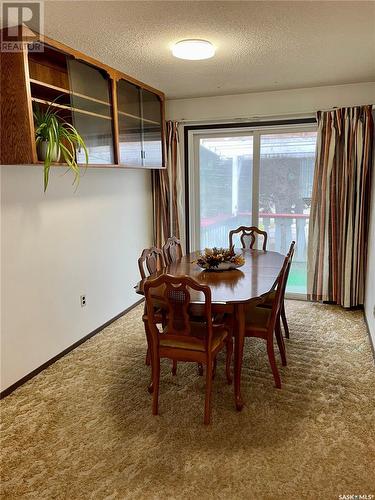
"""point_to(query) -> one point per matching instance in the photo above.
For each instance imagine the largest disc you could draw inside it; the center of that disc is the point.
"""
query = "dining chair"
(151, 261)
(182, 338)
(248, 235)
(264, 322)
(172, 250)
(268, 298)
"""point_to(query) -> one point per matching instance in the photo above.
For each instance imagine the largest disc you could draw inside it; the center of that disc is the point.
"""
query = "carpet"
(83, 428)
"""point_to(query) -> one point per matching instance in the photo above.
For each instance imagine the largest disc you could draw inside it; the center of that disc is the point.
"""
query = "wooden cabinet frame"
(17, 133)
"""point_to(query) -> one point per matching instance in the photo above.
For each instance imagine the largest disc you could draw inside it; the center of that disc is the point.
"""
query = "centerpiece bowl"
(220, 259)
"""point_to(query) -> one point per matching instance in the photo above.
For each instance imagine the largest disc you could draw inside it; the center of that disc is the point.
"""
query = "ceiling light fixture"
(193, 50)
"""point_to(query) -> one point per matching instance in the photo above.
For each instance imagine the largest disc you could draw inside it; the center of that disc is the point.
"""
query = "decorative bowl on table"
(219, 259)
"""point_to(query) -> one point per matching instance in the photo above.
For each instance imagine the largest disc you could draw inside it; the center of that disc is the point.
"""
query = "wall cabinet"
(120, 119)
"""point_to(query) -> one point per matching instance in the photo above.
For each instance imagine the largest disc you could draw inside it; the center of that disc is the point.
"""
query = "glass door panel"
(92, 111)
(225, 186)
(285, 186)
(152, 140)
(130, 123)
(253, 177)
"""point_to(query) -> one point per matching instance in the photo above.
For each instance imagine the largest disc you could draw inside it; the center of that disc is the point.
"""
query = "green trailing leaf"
(46, 176)
(61, 137)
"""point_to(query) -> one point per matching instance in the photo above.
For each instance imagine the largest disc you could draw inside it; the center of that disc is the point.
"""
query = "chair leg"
(148, 360)
(200, 369)
(148, 356)
(150, 387)
(214, 368)
(207, 405)
(280, 343)
(155, 380)
(285, 323)
(272, 360)
(174, 368)
(228, 362)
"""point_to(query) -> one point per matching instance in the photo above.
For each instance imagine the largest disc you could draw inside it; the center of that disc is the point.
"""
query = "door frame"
(190, 130)
(193, 133)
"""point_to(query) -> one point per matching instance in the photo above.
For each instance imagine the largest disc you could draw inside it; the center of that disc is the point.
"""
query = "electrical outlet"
(83, 300)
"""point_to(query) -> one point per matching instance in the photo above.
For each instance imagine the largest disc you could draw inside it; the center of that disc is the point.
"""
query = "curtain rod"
(256, 118)
(341, 107)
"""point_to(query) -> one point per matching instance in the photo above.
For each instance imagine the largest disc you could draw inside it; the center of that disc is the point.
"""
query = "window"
(225, 178)
(259, 177)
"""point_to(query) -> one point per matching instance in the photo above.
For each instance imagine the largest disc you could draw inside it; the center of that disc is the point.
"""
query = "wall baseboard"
(370, 336)
(48, 363)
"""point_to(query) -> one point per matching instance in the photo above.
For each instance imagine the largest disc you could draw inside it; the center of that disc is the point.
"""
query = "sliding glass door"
(285, 185)
(253, 177)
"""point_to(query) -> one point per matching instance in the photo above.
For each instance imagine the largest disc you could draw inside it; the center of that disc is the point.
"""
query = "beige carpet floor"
(83, 428)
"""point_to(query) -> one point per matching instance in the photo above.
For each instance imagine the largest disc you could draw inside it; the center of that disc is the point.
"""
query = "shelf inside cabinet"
(145, 120)
(65, 91)
(49, 66)
(70, 108)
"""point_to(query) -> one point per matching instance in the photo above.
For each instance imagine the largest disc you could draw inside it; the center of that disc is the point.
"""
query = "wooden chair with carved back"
(172, 250)
(264, 323)
(181, 338)
(268, 298)
(151, 261)
(248, 236)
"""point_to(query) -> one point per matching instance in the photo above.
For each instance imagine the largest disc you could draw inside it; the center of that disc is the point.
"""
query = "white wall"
(59, 245)
(270, 104)
(370, 277)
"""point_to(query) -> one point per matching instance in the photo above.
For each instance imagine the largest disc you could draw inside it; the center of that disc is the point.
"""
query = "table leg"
(238, 354)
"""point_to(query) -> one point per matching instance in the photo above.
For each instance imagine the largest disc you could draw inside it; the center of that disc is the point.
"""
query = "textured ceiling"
(261, 45)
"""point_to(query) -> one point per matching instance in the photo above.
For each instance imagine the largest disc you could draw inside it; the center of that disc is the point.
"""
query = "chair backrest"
(172, 250)
(173, 294)
(289, 254)
(279, 287)
(248, 236)
(150, 261)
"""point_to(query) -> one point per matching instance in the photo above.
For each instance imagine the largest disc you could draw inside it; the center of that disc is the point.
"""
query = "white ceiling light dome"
(193, 49)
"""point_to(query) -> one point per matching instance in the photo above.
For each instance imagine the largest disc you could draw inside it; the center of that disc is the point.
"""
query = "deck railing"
(281, 229)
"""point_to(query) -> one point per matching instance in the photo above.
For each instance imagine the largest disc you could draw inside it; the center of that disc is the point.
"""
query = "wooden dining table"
(230, 291)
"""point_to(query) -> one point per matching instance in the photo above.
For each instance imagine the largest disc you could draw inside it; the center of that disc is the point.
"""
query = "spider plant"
(59, 138)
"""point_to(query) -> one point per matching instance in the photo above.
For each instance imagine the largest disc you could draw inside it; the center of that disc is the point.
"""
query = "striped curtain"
(167, 190)
(340, 206)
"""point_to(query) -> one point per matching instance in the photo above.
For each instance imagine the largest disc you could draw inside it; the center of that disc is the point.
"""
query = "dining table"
(231, 290)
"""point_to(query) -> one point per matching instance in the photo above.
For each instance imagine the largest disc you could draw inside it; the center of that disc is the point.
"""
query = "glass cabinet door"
(152, 131)
(92, 111)
(130, 123)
